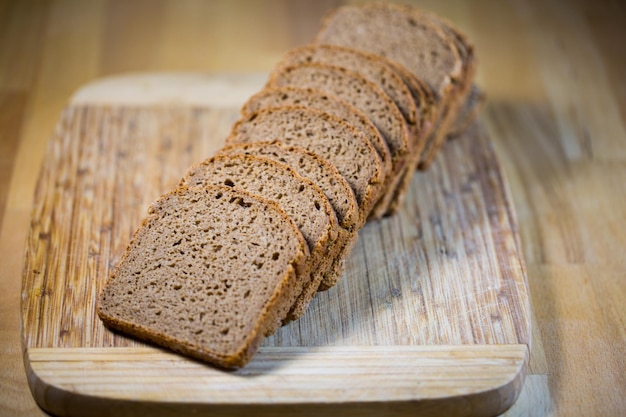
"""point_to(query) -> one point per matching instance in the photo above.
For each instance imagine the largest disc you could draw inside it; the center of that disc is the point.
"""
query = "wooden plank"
(364, 376)
(432, 312)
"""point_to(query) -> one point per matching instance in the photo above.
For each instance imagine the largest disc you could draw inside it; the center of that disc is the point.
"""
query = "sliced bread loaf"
(311, 166)
(299, 197)
(329, 103)
(333, 139)
(356, 90)
(334, 186)
(201, 277)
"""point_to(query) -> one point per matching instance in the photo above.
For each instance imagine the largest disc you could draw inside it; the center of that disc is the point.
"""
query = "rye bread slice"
(329, 103)
(334, 186)
(192, 281)
(356, 90)
(402, 34)
(313, 167)
(332, 138)
(364, 95)
(372, 67)
(297, 196)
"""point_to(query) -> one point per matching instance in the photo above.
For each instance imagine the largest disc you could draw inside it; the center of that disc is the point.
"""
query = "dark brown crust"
(339, 263)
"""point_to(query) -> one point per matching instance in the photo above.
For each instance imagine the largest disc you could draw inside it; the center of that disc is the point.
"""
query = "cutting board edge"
(62, 390)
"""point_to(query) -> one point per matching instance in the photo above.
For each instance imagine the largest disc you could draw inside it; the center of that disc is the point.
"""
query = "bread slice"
(200, 276)
(334, 186)
(402, 34)
(329, 103)
(365, 96)
(299, 197)
(311, 166)
(333, 139)
(372, 67)
(356, 90)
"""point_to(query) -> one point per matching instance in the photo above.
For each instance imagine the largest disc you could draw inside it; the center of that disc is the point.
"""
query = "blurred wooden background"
(554, 72)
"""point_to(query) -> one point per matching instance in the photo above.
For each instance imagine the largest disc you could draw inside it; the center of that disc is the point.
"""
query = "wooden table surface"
(554, 74)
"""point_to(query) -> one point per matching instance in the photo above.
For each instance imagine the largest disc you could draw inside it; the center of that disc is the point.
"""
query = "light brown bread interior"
(333, 139)
(192, 281)
(299, 197)
(330, 181)
(328, 103)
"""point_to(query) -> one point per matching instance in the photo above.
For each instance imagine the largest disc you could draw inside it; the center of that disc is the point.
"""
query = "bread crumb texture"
(203, 270)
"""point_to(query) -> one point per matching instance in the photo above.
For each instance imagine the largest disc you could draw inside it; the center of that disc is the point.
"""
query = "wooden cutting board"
(431, 316)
